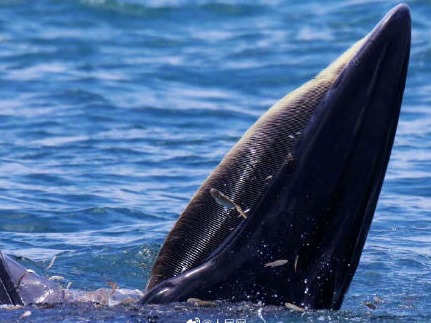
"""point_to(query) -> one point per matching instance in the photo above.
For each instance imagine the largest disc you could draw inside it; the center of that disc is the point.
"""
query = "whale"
(284, 217)
(309, 173)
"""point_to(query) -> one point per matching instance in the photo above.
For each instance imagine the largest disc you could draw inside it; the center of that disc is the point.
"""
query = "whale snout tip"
(399, 16)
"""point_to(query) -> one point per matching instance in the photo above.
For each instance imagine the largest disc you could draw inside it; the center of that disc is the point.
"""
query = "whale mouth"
(304, 231)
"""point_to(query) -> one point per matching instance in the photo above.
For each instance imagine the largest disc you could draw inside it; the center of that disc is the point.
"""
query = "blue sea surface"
(113, 112)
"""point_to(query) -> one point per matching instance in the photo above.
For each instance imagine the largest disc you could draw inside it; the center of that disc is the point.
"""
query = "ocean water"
(113, 112)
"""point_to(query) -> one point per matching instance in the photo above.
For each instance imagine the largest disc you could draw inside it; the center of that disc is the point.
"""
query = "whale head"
(296, 195)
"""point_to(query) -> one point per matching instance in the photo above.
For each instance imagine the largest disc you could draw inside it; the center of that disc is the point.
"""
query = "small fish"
(55, 277)
(294, 308)
(225, 201)
(200, 302)
(68, 285)
(25, 314)
(296, 262)
(277, 263)
(222, 199)
(51, 263)
(268, 178)
(114, 287)
(371, 306)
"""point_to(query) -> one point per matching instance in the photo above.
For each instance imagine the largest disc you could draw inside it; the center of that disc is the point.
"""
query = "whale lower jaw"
(311, 199)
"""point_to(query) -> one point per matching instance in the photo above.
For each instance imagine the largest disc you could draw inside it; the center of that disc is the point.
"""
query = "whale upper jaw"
(316, 212)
